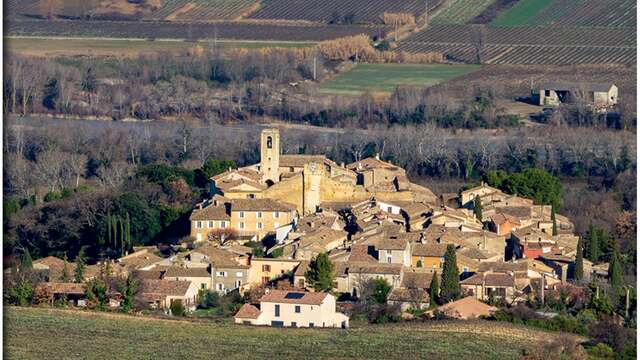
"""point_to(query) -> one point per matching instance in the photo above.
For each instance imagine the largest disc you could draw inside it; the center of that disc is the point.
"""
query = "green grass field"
(386, 77)
(51, 47)
(522, 11)
(32, 333)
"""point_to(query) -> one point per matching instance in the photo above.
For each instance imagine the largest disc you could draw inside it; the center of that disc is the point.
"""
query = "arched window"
(269, 142)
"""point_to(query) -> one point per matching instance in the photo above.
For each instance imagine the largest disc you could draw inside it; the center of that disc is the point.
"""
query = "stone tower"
(270, 155)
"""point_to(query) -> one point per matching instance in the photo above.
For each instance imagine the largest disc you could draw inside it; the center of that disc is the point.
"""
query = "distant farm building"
(598, 95)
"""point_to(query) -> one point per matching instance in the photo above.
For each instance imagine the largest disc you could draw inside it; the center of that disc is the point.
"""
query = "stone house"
(160, 294)
(484, 285)
(228, 271)
(263, 270)
(409, 298)
(428, 256)
(596, 94)
(394, 250)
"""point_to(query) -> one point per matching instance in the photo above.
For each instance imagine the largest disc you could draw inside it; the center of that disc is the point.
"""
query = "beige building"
(160, 294)
(263, 270)
(228, 270)
(394, 250)
(281, 308)
(484, 285)
(598, 95)
(249, 218)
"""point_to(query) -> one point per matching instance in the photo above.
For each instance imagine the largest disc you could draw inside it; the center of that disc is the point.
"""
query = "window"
(223, 224)
(294, 324)
(241, 225)
(259, 226)
(269, 142)
(291, 169)
(297, 309)
(211, 224)
(238, 283)
(222, 273)
(276, 214)
(311, 325)
(388, 252)
(203, 286)
(265, 279)
(266, 268)
(198, 224)
(389, 209)
(241, 215)
(259, 214)
(239, 274)
(220, 287)
(389, 259)
(277, 310)
(547, 93)
(251, 196)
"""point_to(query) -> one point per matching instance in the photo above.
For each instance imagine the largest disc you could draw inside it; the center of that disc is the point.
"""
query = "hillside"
(97, 336)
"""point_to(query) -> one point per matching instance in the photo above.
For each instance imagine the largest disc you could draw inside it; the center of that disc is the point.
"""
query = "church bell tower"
(270, 155)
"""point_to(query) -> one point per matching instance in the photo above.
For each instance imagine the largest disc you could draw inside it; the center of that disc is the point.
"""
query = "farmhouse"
(596, 94)
(281, 308)
(160, 294)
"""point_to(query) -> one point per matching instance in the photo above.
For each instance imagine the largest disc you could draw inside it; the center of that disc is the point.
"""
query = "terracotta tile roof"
(55, 266)
(246, 173)
(416, 209)
(300, 160)
(228, 185)
(372, 163)
(294, 297)
(139, 260)
(302, 268)
(416, 279)
(409, 295)
(220, 258)
(322, 236)
(62, 288)
(429, 249)
(473, 253)
(392, 243)
(490, 279)
(515, 212)
(211, 212)
(153, 274)
(164, 288)
(248, 311)
(467, 308)
(501, 219)
(360, 253)
(178, 271)
(312, 222)
(501, 266)
(374, 268)
(260, 205)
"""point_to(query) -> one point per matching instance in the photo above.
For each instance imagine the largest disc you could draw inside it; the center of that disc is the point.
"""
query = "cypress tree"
(615, 273)
(320, 273)
(450, 278)
(578, 270)
(434, 291)
(594, 244)
(122, 237)
(109, 239)
(26, 262)
(553, 219)
(80, 265)
(128, 231)
(65, 277)
(477, 208)
(114, 229)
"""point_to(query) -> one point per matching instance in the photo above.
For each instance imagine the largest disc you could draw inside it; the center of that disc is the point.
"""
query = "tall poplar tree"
(450, 278)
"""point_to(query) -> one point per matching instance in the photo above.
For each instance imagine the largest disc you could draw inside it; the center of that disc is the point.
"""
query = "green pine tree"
(578, 269)
(553, 219)
(26, 262)
(80, 265)
(434, 291)
(450, 278)
(477, 208)
(320, 273)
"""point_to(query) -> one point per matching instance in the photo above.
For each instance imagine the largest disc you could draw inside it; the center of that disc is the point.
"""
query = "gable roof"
(211, 212)
(490, 279)
(417, 279)
(466, 308)
(409, 295)
(294, 297)
(220, 258)
(372, 163)
(248, 311)
(572, 86)
(392, 243)
(299, 160)
(260, 205)
(62, 288)
(360, 253)
(153, 288)
(178, 271)
(139, 260)
(374, 268)
(429, 249)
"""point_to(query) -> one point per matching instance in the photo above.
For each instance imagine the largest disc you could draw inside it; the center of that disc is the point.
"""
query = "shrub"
(52, 196)
(176, 308)
(208, 299)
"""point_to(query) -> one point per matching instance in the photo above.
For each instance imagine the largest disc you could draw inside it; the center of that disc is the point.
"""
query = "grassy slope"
(119, 47)
(520, 12)
(32, 333)
(385, 77)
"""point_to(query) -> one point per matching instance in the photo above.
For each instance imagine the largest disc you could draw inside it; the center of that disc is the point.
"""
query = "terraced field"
(328, 10)
(202, 10)
(169, 30)
(527, 45)
(458, 12)
(32, 333)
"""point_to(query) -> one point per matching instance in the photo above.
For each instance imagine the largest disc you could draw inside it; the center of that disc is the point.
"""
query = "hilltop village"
(265, 224)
